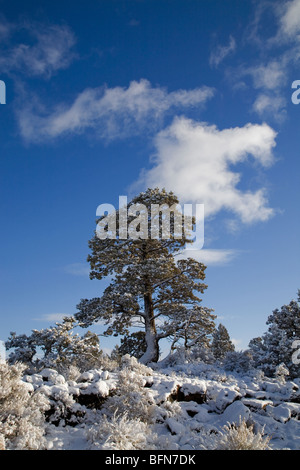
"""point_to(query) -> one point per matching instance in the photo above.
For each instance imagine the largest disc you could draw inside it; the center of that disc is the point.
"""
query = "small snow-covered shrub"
(131, 363)
(168, 409)
(200, 353)
(131, 397)
(196, 355)
(238, 361)
(63, 408)
(281, 373)
(107, 363)
(21, 411)
(241, 437)
(69, 372)
(121, 433)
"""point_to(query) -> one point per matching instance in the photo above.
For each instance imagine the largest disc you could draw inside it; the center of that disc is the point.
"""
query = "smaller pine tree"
(221, 343)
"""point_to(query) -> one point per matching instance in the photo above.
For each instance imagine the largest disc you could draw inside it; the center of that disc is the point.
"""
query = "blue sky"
(109, 99)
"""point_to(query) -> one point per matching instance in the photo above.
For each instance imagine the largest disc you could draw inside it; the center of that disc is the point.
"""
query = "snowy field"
(179, 407)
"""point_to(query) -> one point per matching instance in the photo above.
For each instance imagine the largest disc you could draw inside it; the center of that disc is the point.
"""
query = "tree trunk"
(152, 351)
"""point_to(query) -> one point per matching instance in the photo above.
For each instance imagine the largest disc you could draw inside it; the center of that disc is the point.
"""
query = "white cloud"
(290, 19)
(238, 343)
(273, 105)
(221, 52)
(53, 317)
(110, 112)
(46, 50)
(275, 58)
(195, 161)
(209, 257)
(268, 76)
(269, 79)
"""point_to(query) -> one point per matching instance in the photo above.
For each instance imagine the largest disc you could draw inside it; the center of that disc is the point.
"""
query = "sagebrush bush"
(22, 422)
(120, 432)
(131, 397)
(70, 372)
(131, 363)
(242, 437)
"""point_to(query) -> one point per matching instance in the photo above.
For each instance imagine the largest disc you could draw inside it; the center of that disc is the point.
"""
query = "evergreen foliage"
(149, 287)
(221, 343)
(275, 347)
(56, 346)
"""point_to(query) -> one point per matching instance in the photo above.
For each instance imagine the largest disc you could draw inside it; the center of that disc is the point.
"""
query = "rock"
(52, 376)
(91, 401)
(281, 413)
(225, 397)
(85, 377)
(99, 388)
(94, 395)
(235, 413)
(175, 427)
(256, 405)
(188, 393)
(294, 409)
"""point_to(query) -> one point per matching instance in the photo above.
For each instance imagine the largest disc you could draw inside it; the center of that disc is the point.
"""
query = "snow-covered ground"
(190, 403)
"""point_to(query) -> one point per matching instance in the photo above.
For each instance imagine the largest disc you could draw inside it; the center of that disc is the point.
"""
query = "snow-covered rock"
(281, 413)
(191, 400)
(99, 388)
(255, 404)
(52, 376)
(221, 396)
(235, 413)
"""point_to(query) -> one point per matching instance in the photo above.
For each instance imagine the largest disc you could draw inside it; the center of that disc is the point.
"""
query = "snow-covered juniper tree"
(149, 286)
(57, 346)
(276, 346)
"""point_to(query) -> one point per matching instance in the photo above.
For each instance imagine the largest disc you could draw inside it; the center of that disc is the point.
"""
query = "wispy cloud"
(221, 52)
(270, 104)
(289, 20)
(238, 343)
(52, 317)
(196, 161)
(44, 50)
(210, 257)
(110, 112)
(269, 76)
(267, 73)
